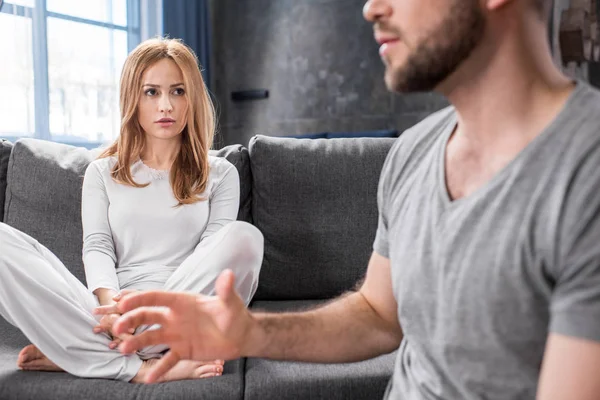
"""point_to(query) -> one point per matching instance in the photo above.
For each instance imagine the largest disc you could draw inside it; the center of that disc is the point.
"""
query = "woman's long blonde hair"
(189, 172)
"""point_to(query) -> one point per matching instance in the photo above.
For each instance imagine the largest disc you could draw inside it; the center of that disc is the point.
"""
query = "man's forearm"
(105, 296)
(345, 330)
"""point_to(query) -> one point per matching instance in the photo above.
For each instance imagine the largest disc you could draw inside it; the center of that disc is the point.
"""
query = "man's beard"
(442, 52)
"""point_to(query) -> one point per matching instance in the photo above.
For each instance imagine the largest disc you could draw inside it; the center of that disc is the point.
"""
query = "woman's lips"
(165, 122)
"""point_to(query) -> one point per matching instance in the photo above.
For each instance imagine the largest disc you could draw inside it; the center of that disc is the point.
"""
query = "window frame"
(39, 19)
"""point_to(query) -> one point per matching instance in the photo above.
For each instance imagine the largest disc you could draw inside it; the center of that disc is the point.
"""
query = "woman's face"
(162, 110)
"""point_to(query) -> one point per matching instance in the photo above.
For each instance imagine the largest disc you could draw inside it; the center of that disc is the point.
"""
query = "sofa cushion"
(5, 148)
(320, 135)
(238, 156)
(389, 133)
(43, 197)
(315, 202)
(279, 380)
(25, 385)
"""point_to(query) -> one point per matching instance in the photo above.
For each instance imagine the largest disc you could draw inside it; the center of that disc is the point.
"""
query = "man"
(486, 264)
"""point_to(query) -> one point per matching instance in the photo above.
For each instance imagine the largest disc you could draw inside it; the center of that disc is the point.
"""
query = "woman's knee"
(6, 232)
(11, 235)
(248, 241)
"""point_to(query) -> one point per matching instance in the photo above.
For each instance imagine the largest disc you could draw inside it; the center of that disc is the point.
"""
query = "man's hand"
(195, 327)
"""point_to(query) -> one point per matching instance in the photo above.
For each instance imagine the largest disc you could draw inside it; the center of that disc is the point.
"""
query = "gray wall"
(320, 63)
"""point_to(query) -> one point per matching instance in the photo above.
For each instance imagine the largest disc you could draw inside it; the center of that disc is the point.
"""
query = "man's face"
(424, 41)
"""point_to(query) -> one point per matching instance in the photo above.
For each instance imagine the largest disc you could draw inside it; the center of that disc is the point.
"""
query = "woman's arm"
(105, 296)
(99, 257)
(224, 202)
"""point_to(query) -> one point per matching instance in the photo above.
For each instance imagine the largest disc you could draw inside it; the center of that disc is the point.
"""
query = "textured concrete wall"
(320, 63)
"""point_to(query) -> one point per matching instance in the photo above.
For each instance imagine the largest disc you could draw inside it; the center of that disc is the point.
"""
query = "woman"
(158, 213)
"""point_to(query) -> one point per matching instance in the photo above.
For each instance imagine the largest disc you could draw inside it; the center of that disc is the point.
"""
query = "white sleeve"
(224, 202)
(99, 256)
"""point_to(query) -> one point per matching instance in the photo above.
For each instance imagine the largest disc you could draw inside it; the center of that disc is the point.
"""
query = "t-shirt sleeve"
(224, 202)
(575, 302)
(381, 243)
(99, 257)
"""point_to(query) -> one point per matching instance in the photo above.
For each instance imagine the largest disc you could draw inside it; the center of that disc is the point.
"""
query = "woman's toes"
(209, 370)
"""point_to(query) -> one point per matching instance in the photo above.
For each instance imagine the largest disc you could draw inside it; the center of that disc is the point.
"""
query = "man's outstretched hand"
(195, 327)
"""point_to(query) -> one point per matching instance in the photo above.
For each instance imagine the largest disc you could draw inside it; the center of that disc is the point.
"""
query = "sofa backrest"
(43, 196)
(315, 202)
(5, 148)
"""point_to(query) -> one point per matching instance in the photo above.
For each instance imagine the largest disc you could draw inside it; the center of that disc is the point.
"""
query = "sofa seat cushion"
(282, 380)
(26, 385)
(43, 197)
(315, 201)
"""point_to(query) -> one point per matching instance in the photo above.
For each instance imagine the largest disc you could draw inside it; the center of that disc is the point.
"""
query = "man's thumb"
(224, 285)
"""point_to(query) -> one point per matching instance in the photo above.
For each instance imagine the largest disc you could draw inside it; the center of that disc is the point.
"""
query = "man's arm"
(195, 327)
(355, 327)
(571, 369)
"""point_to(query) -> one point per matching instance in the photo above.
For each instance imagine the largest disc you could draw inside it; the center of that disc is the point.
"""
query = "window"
(61, 65)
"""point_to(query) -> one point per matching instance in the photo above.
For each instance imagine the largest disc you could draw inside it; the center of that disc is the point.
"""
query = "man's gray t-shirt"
(482, 280)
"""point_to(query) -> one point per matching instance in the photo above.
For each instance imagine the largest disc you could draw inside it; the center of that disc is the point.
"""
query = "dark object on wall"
(579, 35)
(1, 2)
(575, 35)
(255, 94)
(190, 20)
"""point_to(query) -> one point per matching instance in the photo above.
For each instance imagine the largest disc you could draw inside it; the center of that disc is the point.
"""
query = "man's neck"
(515, 93)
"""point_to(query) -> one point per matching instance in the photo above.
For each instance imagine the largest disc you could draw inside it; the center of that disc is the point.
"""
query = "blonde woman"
(158, 213)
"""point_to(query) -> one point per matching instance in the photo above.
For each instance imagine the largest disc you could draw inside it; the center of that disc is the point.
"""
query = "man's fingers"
(146, 299)
(140, 316)
(145, 339)
(225, 284)
(123, 293)
(122, 337)
(163, 366)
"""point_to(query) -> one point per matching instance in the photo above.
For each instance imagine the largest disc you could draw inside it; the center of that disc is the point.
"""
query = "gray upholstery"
(238, 156)
(279, 380)
(26, 385)
(315, 202)
(43, 197)
(44, 194)
(5, 148)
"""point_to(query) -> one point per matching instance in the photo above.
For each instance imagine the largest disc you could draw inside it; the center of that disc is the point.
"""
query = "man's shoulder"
(576, 130)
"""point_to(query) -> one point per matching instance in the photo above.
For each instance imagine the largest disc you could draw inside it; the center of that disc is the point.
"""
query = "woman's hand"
(106, 322)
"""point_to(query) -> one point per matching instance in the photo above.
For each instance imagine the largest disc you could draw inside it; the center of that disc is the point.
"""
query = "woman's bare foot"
(184, 369)
(32, 359)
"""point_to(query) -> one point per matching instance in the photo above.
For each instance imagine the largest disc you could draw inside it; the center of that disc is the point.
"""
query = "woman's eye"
(179, 92)
(150, 92)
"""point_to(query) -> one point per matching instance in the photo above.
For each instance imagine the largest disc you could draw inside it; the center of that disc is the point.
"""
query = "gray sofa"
(314, 201)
